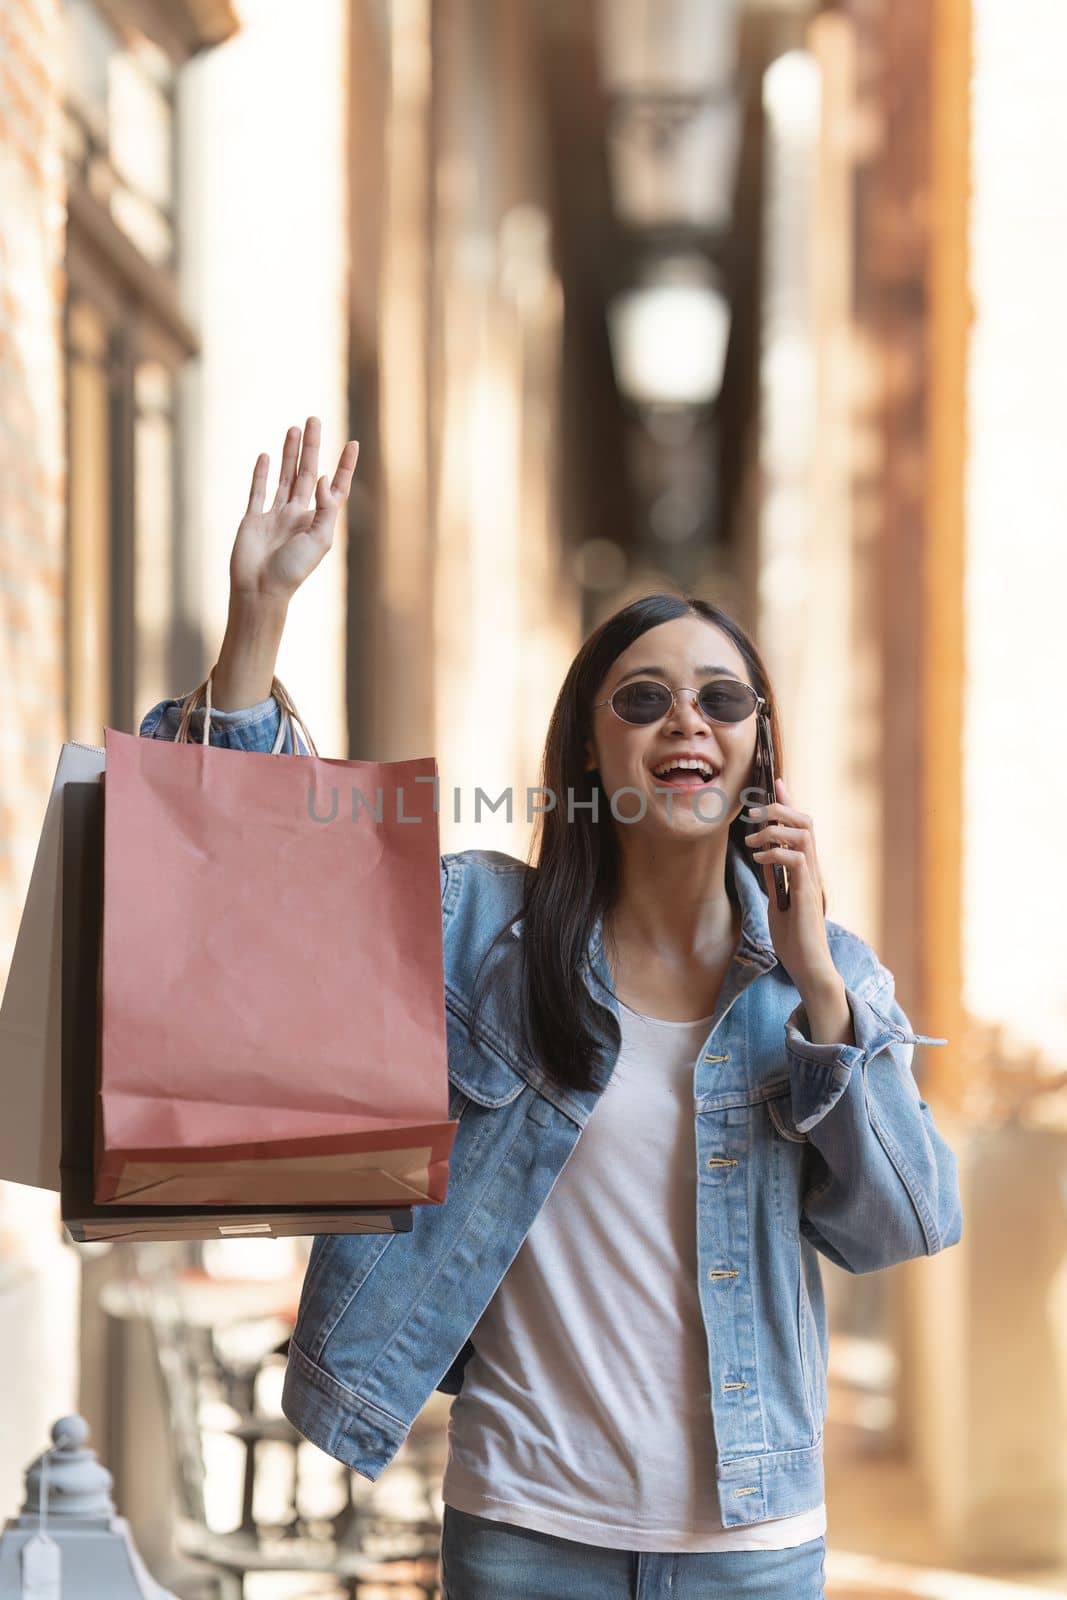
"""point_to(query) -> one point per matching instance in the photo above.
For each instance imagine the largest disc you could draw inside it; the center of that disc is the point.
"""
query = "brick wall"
(38, 1274)
(31, 438)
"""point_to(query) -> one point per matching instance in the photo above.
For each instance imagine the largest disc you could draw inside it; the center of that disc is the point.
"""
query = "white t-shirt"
(585, 1410)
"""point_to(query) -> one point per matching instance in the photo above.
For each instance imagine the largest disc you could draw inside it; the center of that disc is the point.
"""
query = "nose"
(686, 713)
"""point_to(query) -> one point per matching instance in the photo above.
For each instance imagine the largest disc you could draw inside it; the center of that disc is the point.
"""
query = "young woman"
(672, 1096)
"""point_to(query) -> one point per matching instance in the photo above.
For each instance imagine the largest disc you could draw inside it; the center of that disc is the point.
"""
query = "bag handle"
(289, 715)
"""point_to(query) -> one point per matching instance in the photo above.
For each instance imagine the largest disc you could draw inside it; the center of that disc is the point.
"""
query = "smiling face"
(687, 652)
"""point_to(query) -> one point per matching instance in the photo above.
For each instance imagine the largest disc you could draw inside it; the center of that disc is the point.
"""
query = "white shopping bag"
(30, 1016)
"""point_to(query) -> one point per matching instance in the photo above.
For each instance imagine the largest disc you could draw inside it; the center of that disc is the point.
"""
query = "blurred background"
(761, 300)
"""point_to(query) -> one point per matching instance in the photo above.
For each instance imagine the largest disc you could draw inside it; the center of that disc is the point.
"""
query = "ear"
(590, 756)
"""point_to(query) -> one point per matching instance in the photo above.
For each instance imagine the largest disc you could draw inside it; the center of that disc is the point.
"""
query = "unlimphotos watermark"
(709, 803)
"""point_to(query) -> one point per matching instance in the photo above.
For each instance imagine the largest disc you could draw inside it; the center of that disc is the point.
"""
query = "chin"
(689, 828)
(709, 812)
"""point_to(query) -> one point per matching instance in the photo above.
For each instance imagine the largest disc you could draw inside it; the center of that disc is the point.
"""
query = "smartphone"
(765, 776)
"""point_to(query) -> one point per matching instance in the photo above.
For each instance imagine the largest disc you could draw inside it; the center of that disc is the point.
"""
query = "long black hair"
(572, 873)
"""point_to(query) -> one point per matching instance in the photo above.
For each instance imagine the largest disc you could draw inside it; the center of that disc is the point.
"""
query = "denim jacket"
(802, 1150)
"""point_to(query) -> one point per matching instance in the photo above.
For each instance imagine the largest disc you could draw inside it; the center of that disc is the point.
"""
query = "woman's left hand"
(787, 836)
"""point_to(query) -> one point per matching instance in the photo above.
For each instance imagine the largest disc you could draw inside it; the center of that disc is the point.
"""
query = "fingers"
(297, 481)
(346, 466)
(309, 462)
(777, 812)
(288, 467)
(782, 835)
(788, 856)
(259, 484)
(327, 504)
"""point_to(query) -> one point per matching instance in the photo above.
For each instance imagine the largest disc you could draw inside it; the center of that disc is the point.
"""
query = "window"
(126, 342)
(119, 127)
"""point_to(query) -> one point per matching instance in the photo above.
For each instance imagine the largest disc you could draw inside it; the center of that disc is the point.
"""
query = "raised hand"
(278, 547)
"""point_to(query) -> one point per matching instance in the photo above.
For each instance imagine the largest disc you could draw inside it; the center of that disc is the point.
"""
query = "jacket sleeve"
(885, 1185)
(249, 728)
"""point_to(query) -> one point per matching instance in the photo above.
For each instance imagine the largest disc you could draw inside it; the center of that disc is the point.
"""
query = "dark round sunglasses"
(645, 700)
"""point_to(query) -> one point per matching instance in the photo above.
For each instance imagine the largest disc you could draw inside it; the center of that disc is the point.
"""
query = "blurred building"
(757, 299)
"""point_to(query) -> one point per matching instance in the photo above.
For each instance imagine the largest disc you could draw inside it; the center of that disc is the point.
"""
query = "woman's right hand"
(278, 547)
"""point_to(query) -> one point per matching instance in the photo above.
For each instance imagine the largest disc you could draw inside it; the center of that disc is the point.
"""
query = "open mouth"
(686, 774)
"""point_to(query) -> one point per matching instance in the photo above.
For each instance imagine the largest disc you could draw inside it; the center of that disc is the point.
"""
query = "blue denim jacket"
(802, 1149)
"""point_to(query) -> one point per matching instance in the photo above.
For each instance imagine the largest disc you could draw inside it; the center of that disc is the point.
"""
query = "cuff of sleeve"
(870, 1028)
(822, 1071)
(243, 717)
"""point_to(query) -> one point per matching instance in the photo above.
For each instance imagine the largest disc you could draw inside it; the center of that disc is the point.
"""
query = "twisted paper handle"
(289, 714)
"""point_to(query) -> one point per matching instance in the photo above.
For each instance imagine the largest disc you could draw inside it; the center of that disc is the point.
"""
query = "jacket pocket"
(457, 1100)
(477, 1072)
(780, 1111)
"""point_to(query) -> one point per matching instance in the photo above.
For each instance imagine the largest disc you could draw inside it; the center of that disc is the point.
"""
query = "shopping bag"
(273, 1024)
(84, 1218)
(30, 1064)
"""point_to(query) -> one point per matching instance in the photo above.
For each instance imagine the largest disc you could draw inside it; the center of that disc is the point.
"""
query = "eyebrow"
(651, 672)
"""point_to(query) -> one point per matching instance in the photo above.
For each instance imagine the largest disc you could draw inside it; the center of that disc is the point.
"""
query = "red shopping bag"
(272, 986)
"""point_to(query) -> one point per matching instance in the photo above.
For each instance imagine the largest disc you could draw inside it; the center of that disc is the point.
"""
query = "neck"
(672, 899)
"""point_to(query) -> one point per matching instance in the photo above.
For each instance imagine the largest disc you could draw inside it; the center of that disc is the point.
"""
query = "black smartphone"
(765, 776)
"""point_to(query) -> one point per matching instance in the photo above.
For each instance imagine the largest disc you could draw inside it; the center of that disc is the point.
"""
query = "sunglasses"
(645, 701)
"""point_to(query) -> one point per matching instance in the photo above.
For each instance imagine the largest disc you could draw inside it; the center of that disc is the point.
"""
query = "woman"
(627, 1305)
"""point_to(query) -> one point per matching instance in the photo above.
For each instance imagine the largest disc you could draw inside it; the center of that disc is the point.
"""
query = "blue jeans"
(486, 1560)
